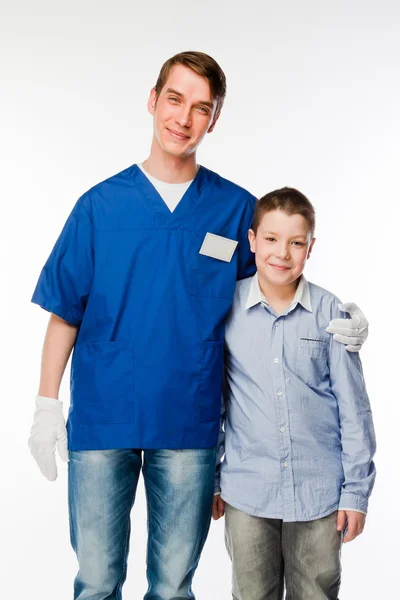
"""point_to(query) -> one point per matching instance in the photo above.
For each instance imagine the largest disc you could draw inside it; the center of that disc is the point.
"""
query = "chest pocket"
(211, 277)
(312, 360)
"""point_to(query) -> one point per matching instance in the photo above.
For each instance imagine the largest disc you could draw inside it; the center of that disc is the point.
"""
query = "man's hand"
(352, 521)
(218, 509)
(48, 432)
(352, 332)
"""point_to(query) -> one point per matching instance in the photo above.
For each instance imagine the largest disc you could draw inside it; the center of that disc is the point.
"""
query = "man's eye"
(270, 239)
(174, 99)
(299, 244)
(203, 109)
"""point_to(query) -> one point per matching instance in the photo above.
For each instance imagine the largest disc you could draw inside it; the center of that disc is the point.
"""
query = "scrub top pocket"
(312, 360)
(211, 277)
(102, 378)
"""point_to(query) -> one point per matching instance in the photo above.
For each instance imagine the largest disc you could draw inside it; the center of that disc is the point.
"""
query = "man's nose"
(183, 118)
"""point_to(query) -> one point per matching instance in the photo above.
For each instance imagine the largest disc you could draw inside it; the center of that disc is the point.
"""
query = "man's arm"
(58, 343)
(48, 429)
(352, 332)
(246, 265)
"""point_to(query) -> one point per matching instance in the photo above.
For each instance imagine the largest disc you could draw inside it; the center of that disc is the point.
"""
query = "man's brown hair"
(203, 65)
(290, 200)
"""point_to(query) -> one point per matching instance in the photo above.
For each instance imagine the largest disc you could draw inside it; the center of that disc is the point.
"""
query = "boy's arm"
(356, 425)
(218, 509)
(220, 447)
(48, 429)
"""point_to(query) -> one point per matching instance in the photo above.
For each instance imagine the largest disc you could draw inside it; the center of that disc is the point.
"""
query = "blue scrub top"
(148, 360)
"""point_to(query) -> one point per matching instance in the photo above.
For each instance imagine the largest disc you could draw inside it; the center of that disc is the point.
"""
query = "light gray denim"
(269, 555)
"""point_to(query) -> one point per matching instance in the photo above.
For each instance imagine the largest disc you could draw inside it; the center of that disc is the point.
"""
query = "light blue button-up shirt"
(299, 437)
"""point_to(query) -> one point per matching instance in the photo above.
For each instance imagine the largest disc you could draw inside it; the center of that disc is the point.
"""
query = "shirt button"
(276, 360)
(282, 429)
(277, 324)
(285, 464)
(280, 394)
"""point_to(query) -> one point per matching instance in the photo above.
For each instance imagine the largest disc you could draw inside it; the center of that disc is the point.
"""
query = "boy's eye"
(299, 244)
(270, 239)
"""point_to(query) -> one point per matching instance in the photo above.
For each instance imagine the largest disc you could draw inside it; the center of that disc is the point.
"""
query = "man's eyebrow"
(172, 91)
(203, 102)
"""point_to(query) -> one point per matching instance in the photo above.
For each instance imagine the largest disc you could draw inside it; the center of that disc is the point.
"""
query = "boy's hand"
(354, 331)
(352, 521)
(218, 509)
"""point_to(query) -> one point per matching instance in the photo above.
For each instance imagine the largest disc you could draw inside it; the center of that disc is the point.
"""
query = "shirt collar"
(302, 295)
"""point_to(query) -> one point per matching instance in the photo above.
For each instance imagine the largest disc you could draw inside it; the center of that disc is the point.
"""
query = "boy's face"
(183, 112)
(282, 244)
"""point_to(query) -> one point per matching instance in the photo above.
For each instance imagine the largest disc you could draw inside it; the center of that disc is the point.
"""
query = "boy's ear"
(310, 248)
(252, 240)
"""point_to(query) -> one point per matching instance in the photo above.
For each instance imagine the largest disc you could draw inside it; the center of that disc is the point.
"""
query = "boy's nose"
(282, 251)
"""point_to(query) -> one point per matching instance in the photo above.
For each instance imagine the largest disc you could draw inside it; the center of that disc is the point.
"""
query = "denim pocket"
(312, 360)
(102, 382)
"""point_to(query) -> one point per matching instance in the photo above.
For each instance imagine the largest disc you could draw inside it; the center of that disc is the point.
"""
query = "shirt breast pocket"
(211, 277)
(312, 360)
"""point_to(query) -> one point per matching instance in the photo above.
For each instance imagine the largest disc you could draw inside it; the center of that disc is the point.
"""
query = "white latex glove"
(352, 332)
(48, 431)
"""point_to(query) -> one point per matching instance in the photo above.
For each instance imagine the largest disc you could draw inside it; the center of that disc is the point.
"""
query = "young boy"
(299, 437)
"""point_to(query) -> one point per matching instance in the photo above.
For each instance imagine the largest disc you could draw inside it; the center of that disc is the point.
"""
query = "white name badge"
(218, 247)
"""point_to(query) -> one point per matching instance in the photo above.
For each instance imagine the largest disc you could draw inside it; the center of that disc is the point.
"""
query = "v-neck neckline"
(161, 212)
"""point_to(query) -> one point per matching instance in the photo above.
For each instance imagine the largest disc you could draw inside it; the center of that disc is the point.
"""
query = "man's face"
(183, 112)
(282, 245)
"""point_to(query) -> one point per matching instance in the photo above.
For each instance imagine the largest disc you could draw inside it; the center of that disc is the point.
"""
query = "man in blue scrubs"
(139, 284)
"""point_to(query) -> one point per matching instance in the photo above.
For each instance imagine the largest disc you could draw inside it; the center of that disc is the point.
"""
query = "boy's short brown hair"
(290, 200)
(203, 65)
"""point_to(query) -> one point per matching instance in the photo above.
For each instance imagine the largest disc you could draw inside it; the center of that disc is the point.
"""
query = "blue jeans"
(102, 486)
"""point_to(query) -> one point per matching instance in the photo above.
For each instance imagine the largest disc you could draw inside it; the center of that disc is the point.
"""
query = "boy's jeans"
(266, 553)
(102, 486)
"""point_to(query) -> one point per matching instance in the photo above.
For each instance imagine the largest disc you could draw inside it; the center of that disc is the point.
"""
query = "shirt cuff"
(353, 510)
(351, 501)
(61, 311)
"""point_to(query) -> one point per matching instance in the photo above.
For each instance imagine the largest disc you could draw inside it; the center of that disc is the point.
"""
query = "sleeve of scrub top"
(356, 426)
(246, 264)
(65, 281)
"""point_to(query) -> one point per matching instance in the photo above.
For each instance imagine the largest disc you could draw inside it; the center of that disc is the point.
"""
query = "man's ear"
(214, 122)
(310, 248)
(152, 101)
(252, 240)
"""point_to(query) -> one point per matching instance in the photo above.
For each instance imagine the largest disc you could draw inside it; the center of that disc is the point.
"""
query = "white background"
(313, 101)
